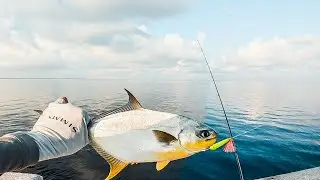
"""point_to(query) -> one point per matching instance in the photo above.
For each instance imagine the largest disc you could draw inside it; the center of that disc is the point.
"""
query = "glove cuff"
(46, 149)
(19, 151)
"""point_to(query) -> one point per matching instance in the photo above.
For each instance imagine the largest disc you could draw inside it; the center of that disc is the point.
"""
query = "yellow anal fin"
(116, 166)
(161, 165)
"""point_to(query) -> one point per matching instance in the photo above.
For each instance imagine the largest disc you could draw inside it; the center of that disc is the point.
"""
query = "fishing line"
(234, 137)
(225, 115)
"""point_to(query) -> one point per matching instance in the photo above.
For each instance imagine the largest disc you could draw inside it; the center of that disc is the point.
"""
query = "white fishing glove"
(61, 130)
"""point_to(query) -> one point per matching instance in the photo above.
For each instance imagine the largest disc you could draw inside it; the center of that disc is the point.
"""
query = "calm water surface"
(289, 141)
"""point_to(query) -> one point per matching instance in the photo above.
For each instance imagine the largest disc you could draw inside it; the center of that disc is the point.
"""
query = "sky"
(149, 39)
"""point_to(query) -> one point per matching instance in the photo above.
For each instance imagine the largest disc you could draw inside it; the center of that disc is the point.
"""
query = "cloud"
(95, 10)
(91, 37)
(122, 51)
(278, 53)
(109, 38)
(139, 8)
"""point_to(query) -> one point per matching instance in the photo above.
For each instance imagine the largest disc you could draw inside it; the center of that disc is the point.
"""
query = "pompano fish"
(132, 134)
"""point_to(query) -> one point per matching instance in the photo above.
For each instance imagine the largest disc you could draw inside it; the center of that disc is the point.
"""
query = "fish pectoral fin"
(163, 137)
(161, 165)
(116, 166)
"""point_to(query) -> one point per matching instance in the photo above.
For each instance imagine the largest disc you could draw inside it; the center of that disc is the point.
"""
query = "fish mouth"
(213, 137)
(210, 139)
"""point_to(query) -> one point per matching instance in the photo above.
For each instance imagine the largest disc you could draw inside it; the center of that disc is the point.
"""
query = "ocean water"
(288, 141)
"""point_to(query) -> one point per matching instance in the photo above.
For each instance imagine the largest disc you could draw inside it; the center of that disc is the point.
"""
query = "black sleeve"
(17, 152)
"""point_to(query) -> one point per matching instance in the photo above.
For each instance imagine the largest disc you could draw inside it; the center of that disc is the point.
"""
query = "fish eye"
(203, 134)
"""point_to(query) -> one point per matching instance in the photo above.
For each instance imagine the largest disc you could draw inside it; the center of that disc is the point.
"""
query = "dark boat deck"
(307, 174)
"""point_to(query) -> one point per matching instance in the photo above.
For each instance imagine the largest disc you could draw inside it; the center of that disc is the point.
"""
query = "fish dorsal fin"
(116, 166)
(133, 100)
(164, 137)
(161, 165)
(38, 111)
(133, 104)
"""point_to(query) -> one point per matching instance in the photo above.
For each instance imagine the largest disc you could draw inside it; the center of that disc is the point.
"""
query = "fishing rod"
(225, 115)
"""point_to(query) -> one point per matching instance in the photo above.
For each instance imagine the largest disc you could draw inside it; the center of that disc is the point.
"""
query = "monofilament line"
(225, 115)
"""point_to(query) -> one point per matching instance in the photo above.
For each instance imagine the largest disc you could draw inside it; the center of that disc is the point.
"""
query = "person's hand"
(61, 130)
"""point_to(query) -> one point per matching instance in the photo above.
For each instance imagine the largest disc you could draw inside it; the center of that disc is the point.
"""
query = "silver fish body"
(129, 136)
(132, 134)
